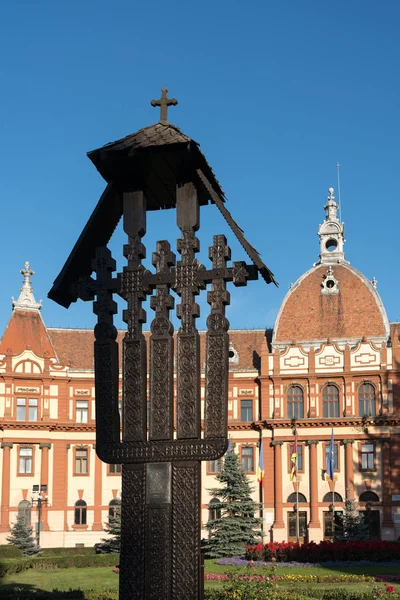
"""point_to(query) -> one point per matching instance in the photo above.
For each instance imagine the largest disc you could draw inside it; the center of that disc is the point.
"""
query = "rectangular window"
(25, 461)
(21, 409)
(367, 457)
(246, 410)
(292, 526)
(214, 466)
(82, 411)
(81, 462)
(27, 410)
(299, 457)
(332, 527)
(335, 456)
(114, 469)
(248, 459)
(33, 409)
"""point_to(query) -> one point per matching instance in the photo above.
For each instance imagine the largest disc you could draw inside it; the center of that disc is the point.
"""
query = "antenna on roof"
(338, 188)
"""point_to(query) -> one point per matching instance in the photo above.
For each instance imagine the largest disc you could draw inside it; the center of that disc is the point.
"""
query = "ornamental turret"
(26, 300)
(331, 234)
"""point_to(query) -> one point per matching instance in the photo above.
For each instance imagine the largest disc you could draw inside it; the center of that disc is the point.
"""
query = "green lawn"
(103, 578)
(86, 578)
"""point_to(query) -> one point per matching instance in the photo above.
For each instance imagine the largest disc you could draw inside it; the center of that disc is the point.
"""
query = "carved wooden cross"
(163, 103)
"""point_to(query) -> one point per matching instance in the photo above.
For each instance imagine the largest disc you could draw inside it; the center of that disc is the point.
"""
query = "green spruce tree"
(352, 525)
(113, 542)
(235, 526)
(21, 537)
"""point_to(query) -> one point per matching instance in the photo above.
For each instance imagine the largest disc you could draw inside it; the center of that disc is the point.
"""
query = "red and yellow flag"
(293, 461)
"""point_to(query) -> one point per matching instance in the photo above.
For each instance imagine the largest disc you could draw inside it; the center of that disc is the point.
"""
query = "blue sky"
(275, 92)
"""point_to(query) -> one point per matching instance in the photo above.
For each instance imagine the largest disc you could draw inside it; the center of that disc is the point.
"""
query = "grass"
(85, 578)
(102, 578)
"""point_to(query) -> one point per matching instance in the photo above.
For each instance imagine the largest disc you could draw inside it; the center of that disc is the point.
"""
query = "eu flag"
(330, 458)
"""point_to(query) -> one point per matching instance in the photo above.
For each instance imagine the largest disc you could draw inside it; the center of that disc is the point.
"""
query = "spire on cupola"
(26, 300)
(331, 234)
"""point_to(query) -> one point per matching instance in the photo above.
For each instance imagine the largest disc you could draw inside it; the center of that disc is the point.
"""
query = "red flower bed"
(325, 551)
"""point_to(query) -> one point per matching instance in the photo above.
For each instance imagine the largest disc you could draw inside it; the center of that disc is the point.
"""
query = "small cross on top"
(163, 103)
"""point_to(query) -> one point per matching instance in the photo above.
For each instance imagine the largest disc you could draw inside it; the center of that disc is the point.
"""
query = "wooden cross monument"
(158, 167)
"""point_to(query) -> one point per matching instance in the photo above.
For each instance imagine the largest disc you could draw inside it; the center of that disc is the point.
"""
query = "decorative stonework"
(365, 358)
(294, 361)
(329, 360)
(26, 300)
(329, 285)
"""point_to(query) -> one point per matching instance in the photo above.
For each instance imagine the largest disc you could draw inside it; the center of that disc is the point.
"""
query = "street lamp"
(39, 497)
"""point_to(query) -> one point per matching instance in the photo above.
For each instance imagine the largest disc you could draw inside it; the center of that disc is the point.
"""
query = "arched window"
(366, 400)
(113, 508)
(295, 402)
(80, 512)
(369, 497)
(293, 497)
(24, 511)
(333, 497)
(214, 509)
(330, 398)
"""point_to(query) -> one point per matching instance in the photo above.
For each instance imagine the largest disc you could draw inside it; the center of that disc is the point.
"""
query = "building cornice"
(272, 424)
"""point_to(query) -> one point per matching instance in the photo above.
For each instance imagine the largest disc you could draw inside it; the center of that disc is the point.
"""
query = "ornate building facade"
(331, 363)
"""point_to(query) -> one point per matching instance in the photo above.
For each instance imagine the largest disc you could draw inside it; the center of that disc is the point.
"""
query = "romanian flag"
(260, 471)
(293, 461)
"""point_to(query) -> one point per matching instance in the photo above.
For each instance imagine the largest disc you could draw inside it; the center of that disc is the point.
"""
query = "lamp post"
(39, 497)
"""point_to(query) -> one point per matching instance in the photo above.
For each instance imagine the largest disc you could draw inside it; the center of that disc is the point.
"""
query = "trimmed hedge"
(10, 551)
(68, 551)
(13, 565)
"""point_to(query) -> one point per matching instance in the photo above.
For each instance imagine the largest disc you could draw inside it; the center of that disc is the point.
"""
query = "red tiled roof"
(75, 347)
(26, 331)
(355, 311)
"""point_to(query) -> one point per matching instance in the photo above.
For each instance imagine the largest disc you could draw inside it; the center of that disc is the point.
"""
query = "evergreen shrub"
(21, 537)
(235, 526)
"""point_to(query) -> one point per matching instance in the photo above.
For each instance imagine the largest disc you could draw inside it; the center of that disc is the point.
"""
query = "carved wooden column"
(278, 523)
(5, 487)
(134, 412)
(348, 467)
(314, 519)
(387, 522)
(44, 480)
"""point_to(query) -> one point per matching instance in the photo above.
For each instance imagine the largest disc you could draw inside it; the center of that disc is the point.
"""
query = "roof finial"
(26, 300)
(331, 206)
(163, 103)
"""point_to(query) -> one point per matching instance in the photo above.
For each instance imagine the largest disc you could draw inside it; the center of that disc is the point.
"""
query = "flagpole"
(297, 511)
(333, 505)
(297, 492)
(262, 488)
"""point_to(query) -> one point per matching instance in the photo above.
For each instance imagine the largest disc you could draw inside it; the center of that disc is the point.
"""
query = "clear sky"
(275, 92)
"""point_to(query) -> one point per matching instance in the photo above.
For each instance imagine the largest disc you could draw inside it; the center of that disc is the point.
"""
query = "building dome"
(333, 300)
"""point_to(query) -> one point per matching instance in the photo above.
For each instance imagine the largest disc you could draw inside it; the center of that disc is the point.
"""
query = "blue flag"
(260, 471)
(330, 458)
